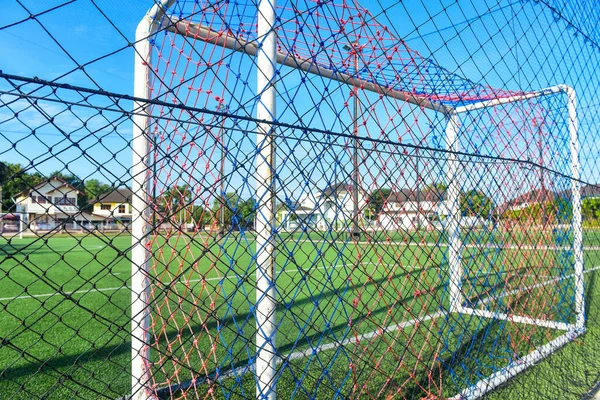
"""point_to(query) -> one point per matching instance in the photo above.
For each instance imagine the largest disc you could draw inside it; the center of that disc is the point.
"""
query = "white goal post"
(265, 49)
(455, 243)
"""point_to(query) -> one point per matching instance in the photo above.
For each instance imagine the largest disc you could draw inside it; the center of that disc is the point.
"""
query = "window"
(62, 201)
(122, 209)
(41, 199)
(105, 207)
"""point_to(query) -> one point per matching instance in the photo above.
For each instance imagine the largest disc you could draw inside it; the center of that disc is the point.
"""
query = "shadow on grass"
(224, 323)
(590, 289)
(453, 362)
(71, 370)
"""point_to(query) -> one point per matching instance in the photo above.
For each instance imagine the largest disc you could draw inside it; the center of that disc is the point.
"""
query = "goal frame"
(572, 331)
(265, 49)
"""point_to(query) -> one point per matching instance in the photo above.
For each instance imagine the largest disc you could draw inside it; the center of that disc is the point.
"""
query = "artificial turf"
(65, 319)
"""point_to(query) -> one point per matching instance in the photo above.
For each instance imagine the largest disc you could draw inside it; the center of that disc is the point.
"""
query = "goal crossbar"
(225, 39)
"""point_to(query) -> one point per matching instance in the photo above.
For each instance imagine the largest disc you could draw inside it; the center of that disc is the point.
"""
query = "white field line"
(486, 300)
(365, 336)
(108, 289)
(469, 245)
(515, 318)
(486, 384)
(310, 351)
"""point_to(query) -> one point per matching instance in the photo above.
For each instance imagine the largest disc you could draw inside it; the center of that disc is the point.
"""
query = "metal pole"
(266, 351)
(141, 202)
(355, 229)
(221, 176)
(453, 220)
(140, 352)
(576, 203)
(21, 225)
(418, 194)
(355, 176)
(542, 183)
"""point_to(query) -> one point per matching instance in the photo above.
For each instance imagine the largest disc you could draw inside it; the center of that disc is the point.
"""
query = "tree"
(14, 180)
(176, 203)
(200, 215)
(375, 201)
(562, 209)
(229, 209)
(248, 213)
(4, 173)
(94, 188)
(436, 187)
(474, 203)
(590, 208)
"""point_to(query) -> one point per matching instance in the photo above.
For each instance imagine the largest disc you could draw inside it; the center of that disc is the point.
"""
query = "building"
(52, 201)
(51, 205)
(331, 207)
(115, 206)
(412, 209)
(536, 196)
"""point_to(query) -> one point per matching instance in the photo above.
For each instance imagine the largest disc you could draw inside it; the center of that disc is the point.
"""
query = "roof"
(89, 217)
(590, 191)
(64, 183)
(336, 188)
(530, 197)
(405, 195)
(120, 195)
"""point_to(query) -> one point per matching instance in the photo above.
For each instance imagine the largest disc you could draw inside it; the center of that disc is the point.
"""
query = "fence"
(323, 199)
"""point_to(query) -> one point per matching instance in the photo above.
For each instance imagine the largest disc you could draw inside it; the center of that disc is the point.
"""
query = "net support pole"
(453, 219)
(141, 203)
(576, 205)
(266, 356)
(140, 352)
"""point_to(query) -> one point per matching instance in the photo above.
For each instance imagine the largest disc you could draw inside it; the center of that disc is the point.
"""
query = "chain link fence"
(314, 199)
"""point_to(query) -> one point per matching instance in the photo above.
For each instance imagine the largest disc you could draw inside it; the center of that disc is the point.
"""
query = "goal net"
(321, 211)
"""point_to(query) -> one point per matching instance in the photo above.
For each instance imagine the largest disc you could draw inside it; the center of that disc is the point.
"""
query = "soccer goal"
(251, 117)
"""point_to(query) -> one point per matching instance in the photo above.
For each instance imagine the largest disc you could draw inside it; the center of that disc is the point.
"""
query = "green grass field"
(65, 316)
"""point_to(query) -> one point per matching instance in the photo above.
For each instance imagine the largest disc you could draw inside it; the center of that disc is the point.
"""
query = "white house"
(331, 207)
(412, 209)
(52, 203)
(49, 202)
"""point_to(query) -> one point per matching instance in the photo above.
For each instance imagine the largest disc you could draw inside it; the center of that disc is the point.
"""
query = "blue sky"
(515, 45)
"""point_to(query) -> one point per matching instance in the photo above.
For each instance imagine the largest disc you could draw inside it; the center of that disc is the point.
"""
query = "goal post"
(456, 273)
(266, 323)
(141, 203)
(263, 304)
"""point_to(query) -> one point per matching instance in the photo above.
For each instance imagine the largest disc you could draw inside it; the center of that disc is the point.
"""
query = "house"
(331, 207)
(586, 191)
(590, 192)
(535, 196)
(52, 204)
(52, 201)
(115, 206)
(412, 209)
